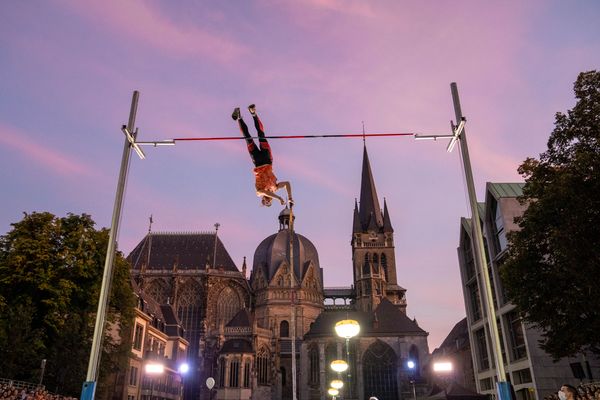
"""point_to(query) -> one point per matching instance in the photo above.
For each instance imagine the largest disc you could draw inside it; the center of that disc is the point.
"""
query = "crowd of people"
(582, 392)
(10, 392)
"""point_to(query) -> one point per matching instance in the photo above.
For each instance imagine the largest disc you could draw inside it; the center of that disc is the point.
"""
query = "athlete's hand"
(282, 201)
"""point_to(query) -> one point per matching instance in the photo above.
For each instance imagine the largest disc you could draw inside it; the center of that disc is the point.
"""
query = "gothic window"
(158, 290)
(314, 366)
(228, 305)
(366, 269)
(284, 329)
(247, 374)
(222, 367)
(262, 366)
(375, 259)
(379, 372)
(190, 313)
(384, 266)
(234, 373)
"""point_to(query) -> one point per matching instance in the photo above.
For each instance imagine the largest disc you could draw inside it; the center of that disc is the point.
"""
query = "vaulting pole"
(89, 387)
(292, 302)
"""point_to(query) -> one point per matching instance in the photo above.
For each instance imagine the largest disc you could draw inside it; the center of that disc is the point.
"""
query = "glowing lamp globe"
(347, 328)
(410, 364)
(337, 384)
(333, 392)
(339, 365)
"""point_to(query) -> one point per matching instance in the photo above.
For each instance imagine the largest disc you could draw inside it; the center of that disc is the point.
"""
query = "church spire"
(368, 195)
(387, 223)
(356, 226)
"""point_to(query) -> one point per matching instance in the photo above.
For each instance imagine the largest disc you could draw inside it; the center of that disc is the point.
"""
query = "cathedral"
(246, 329)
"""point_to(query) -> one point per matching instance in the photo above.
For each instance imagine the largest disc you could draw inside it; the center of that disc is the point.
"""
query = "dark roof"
(499, 190)
(369, 205)
(236, 346)
(386, 320)
(186, 250)
(242, 318)
(457, 339)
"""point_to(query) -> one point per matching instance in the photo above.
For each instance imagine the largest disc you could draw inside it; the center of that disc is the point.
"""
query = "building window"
(501, 241)
(522, 376)
(262, 366)
(234, 373)
(384, 266)
(228, 305)
(379, 371)
(482, 353)
(133, 374)
(469, 259)
(486, 384)
(137, 337)
(283, 376)
(366, 269)
(284, 329)
(222, 372)
(314, 366)
(247, 374)
(474, 301)
(525, 394)
(517, 338)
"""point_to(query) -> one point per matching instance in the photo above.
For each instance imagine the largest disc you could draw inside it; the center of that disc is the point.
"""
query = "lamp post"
(459, 135)
(411, 367)
(348, 328)
(153, 369)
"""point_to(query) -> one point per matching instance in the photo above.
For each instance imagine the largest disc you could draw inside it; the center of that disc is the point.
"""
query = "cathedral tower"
(373, 254)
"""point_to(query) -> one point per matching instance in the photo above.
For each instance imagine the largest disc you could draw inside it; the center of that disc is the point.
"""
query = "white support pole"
(479, 246)
(89, 386)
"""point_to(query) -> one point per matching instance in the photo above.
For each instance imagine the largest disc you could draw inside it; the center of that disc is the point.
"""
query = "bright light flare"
(339, 365)
(184, 368)
(442, 366)
(333, 392)
(411, 364)
(337, 384)
(154, 368)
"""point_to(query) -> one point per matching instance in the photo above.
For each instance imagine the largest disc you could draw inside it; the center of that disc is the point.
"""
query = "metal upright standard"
(89, 387)
(503, 387)
(292, 302)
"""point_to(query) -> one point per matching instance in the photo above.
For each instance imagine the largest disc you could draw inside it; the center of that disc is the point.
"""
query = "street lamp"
(183, 369)
(348, 328)
(152, 369)
(337, 384)
(339, 365)
(333, 392)
(411, 366)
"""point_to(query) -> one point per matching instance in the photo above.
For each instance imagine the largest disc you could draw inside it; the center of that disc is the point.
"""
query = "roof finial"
(364, 138)
(150, 225)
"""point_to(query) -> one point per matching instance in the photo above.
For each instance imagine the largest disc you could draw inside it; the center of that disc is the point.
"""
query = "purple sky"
(68, 69)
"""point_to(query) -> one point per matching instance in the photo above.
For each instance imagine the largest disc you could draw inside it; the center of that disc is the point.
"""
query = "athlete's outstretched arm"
(268, 193)
(288, 189)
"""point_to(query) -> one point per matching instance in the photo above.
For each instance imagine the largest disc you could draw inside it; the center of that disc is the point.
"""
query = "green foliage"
(553, 269)
(50, 276)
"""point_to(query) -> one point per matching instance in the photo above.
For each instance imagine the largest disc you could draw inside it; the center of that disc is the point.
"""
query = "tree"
(50, 276)
(553, 268)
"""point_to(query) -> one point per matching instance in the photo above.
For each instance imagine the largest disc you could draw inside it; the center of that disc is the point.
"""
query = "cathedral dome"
(273, 251)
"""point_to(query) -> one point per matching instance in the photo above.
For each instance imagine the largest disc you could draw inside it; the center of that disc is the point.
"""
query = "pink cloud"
(140, 21)
(56, 161)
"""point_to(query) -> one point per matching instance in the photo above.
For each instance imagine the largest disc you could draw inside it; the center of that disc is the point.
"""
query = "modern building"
(240, 330)
(531, 371)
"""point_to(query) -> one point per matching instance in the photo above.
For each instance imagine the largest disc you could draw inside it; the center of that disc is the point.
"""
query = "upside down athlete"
(266, 182)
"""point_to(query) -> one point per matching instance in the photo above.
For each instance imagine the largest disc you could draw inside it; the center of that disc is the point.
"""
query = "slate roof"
(242, 318)
(162, 250)
(499, 190)
(457, 339)
(386, 320)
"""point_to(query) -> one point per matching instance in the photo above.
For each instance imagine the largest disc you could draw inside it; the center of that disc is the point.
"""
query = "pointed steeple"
(387, 223)
(372, 225)
(368, 195)
(356, 226)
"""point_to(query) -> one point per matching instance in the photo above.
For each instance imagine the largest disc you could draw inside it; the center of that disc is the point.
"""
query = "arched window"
(262, 366)
(314, 366)
(228, 305)
(379, 372)
(284, 329)
(234, 373)
(413, 355)
(158, 290)
(384, 266)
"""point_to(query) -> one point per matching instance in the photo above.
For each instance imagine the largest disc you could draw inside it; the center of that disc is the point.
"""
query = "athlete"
(266, 183)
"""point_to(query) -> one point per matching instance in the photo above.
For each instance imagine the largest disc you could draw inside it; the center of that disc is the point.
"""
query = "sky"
(68, 69)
